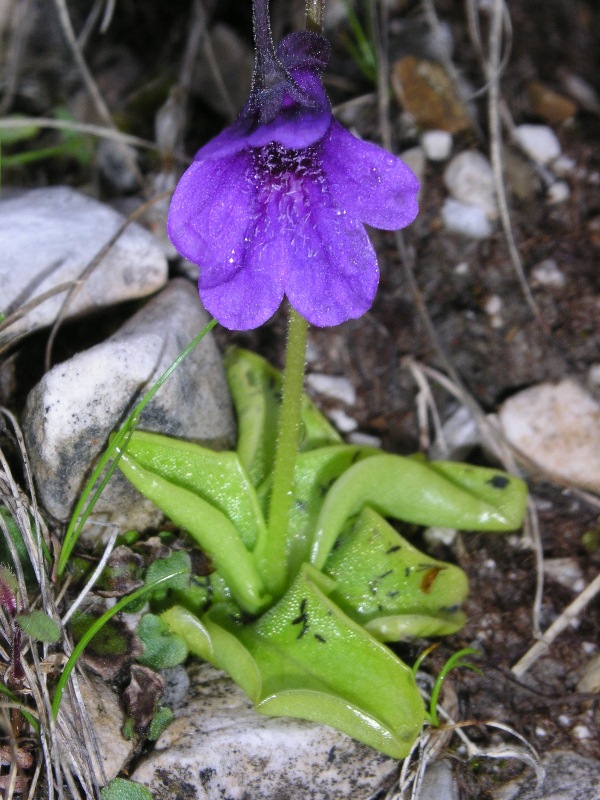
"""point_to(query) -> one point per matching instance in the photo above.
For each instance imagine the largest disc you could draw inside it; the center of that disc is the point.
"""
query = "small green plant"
(360, 42)
(454, 662)
(303, 634)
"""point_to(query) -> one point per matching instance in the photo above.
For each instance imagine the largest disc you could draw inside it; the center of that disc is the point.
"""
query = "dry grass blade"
(88, 80)
(571, 612)
(59, 742)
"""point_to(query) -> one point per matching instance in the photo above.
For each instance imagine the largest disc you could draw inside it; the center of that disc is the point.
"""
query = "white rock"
(565, 571)
(342, 421)
(414, 158)
(558, 192)
(219, 747)
(594, 375)
(49, 236)
(563, 165)
(460, 434)
(558, 427)
(332, 386)
(444, 536)
(547, 273)
(437, 145)
(71, 412)
(590, 678)
(469, 179)
(467, 220)
(539, 142)
(364, 439)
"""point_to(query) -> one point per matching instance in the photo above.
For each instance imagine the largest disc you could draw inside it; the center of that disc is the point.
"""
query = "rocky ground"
(475, 306)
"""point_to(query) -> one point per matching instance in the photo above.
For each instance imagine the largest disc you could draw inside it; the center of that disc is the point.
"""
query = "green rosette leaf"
(305, 658)
(216, 477)
(447, 494)
(387, 585)
(208, 526)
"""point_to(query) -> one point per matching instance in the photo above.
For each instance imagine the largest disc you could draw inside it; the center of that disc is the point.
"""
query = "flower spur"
(276, 204)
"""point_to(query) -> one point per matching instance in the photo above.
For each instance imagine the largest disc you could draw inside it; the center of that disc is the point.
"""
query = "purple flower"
(275, 204)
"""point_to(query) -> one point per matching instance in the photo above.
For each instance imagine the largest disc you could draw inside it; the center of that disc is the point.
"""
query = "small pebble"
(594, 374)
(539, 142)
(547, 273)
(493, 307)
(332, 386)
(437, 145)
(540, 732)
(589, 648)
(462, 268)
(364, 439)
(558, 192)
(565, 571)
(564, 720)
(414, 157)
(342, 421)
(444, 536)
(582, 732)
(467, 220)
(489, 563)
(469, 179)
(563, 166)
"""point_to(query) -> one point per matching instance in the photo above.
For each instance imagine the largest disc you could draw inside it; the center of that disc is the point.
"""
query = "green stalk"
(314, 15)
(271, 554)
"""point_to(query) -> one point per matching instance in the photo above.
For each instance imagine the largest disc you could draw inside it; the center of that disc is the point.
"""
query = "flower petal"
(367, 181)
(332, 272)
(244, 294)
(212, 207)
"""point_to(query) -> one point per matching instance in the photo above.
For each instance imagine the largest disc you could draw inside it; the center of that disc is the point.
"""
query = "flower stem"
(272, 563)
(314, 15)
(267, 69)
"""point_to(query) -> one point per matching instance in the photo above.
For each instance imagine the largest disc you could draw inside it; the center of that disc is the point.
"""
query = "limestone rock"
(558, 427)
(469, 179)
(49, 236)
(218, 746)
(72, 411)
(539, 142)
(465, 219)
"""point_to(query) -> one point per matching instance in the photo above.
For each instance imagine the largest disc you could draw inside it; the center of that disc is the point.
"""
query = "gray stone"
(219, 747)
(72, 411)
(569, 776)
(469, 179)
(49, 236)
(438, 782)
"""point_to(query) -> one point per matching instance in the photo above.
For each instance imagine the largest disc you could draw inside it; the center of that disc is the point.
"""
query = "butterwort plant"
(308, 578)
